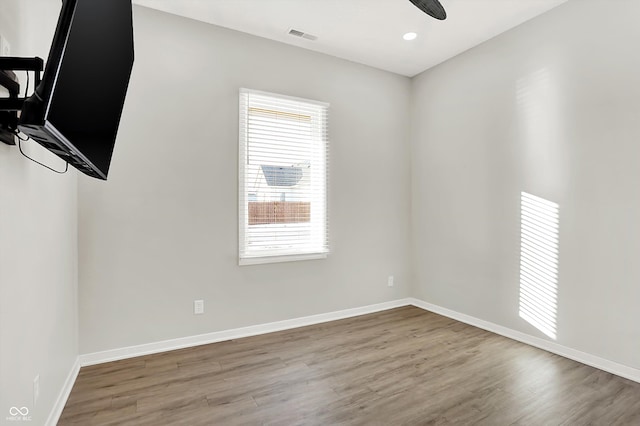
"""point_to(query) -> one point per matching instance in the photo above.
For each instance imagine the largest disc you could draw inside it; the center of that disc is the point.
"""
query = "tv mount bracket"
(10, 106)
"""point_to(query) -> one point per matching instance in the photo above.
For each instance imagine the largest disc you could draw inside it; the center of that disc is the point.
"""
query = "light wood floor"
(404, 366)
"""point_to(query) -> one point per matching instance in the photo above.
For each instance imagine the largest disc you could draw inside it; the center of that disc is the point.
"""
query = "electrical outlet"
(5, 48)
(390, 281)
(36, 390)
(198, 307)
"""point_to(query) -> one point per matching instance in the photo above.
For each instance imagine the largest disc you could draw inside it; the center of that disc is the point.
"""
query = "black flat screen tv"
(75, 110)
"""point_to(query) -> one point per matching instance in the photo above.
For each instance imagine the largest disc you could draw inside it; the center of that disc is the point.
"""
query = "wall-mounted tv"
(75, 110)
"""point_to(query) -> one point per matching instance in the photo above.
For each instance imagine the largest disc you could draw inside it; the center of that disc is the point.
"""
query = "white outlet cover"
(198, 307)
(390, 281)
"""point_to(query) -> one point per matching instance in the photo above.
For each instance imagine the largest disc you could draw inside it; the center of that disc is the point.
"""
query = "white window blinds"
(282, 178)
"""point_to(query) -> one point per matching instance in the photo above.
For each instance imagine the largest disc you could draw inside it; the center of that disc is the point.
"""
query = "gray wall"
(551, 108)
(163, 230)
(38, 246)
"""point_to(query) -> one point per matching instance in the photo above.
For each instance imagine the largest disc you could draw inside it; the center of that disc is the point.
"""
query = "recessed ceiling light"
(410, 36)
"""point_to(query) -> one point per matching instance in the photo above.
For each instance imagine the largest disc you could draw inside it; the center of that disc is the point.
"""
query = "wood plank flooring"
(404, 366)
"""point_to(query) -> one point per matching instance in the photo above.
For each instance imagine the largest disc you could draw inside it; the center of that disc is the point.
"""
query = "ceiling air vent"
(302, 34)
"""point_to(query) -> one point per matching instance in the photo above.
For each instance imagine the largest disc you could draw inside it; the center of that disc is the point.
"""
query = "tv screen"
(75, 110)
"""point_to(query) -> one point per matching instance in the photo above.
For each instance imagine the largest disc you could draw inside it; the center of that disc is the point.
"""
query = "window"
(282, 178)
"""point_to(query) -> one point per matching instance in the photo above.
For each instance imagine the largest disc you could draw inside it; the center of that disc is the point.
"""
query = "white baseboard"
(236, 333)
(576, 355)
(56, 411)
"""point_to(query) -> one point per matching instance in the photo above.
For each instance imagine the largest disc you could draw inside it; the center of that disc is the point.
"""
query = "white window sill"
(278, 259)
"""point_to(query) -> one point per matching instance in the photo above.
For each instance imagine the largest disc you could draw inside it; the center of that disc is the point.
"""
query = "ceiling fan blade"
(432, 8)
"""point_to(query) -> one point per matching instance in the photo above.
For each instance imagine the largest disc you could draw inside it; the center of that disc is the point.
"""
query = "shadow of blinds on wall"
(539, 262)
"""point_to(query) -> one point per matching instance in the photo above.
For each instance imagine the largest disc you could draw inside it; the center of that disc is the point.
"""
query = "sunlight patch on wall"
(539, 223)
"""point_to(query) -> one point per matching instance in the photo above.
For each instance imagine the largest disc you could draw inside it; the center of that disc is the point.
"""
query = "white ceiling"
(366, 31)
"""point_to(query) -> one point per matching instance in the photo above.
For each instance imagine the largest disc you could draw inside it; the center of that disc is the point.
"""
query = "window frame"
(248, 257)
